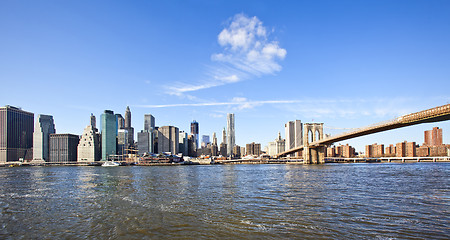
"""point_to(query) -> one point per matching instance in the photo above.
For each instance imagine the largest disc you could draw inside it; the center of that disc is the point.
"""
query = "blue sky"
(345, 63)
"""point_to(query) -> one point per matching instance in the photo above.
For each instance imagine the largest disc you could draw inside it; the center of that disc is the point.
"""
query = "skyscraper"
(63, 147)
(231, 135)
(120, 121)
(194, 132)
(89, 145)
(214, 140)
(149, 122)
(183, 143)
(145, 142)
(127, 117)
(93, 121)
(41, 137)
(205, 140)
(224, 136)
(16, 134)
(109, 134)
(168, 141)
(294, 134)
(130, 130)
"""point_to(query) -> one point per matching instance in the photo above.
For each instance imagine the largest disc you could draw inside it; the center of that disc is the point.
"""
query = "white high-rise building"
(43, 128)
(276, 147)
(294, 134)
(231, 134)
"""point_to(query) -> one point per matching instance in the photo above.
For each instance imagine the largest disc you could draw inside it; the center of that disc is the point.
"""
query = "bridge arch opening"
(310, 136)
(317, 135)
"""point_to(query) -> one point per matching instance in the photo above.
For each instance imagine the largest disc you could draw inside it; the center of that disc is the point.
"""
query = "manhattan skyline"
(347, 64)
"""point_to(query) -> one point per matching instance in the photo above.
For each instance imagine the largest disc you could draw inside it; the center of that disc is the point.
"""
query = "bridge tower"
(313, 154)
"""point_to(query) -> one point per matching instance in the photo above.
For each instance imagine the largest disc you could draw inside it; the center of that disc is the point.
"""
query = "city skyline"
(346, 64)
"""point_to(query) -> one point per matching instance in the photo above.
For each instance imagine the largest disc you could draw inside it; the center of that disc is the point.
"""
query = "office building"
(194, 132)
(214, 140)
(223, 149)
(120, 121)
(89, 144)
(276, 147)
(224, 136)
(205, 140)
(253, 149)
(43, 128)
(122, 141)
(191, 146)
(168, 141)
(149, 122)
(109, 134)
(231, 134)
(93, 121)
(183, 146)
(129, 128)
(63, 148)
(294, 134)
(145, 142)
(16, 134)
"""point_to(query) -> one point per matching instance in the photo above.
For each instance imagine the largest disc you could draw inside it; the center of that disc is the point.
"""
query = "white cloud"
(242, 103)
(247, 52)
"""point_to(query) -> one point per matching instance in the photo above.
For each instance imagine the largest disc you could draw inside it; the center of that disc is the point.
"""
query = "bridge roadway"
(437, 114)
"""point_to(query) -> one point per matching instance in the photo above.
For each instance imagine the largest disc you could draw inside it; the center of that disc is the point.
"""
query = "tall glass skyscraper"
(194, 132)
(149, 122)
(41, 137)
(231, 138)
(16, 134)
(109, 134)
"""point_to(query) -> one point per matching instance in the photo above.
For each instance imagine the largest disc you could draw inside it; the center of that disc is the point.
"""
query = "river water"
(337, 201)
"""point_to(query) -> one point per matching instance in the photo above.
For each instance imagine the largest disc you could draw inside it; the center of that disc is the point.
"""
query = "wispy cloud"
(247, 51)
(243, 103)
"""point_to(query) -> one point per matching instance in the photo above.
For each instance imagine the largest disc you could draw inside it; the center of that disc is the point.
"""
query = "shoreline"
(242, 161)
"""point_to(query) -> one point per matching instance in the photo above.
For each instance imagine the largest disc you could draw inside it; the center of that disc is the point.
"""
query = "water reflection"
(350, 201)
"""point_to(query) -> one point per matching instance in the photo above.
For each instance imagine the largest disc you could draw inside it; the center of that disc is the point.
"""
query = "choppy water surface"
(339, 201)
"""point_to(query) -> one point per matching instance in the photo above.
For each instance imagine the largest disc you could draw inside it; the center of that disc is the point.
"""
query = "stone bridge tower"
(313, 154)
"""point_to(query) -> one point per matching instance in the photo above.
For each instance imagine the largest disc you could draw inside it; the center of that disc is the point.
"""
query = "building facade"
(16, 134)
(63, 148)
(294, 134)
(168, 141)
(129, 128)
(276, 147)
(43, 128)
(253, 149)
(231, 138)
(149, 122)
(194, 132)
(109, 134)
(145, 142)
(183, 146)
(89, 145)
(433, 137)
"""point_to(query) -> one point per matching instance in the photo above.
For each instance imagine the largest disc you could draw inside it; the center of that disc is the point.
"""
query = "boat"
(110, 164)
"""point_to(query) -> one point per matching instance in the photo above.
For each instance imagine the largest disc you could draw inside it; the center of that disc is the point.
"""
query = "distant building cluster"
(21, 140)
(341, 151)
(432, 147)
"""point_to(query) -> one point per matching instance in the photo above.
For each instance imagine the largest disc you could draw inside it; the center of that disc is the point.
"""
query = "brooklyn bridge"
(314, 143)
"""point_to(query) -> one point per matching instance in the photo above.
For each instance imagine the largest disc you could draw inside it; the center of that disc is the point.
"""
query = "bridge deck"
(437, 114)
